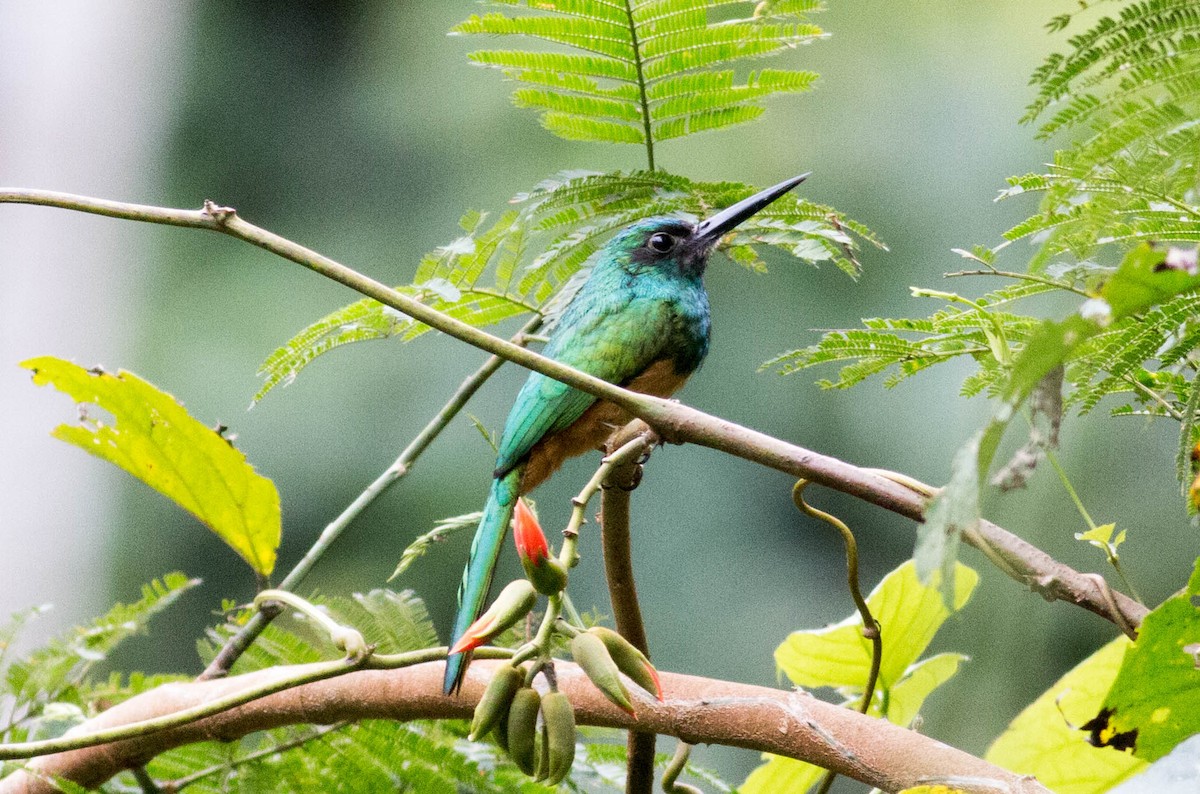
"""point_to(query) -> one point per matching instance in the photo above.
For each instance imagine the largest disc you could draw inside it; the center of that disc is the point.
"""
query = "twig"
(1020, 277)
(180, 783)
(673, 421)
(871, 629)
(675, 767)
(793, 724)
(622, 591)
(236, 645)
(144, 781)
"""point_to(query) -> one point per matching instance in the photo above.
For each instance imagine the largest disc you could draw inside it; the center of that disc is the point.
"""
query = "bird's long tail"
(481, 564)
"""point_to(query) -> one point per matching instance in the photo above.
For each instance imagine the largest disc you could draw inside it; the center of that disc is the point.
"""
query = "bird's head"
(679, 246)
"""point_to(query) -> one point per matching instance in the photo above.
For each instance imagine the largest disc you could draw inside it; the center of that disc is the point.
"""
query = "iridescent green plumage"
(641, 319)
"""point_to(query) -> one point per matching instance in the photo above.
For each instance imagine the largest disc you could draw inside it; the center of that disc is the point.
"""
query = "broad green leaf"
(1148, 276)
(952, 512)
(908, 695)
(909, 613)
(152, 437)
(838, 656)
(1154, 702)
(781, 775)
(1043, 740)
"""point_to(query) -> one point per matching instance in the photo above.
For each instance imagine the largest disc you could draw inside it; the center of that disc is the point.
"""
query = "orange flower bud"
(547, 575)
(528, 535)
(513, 603)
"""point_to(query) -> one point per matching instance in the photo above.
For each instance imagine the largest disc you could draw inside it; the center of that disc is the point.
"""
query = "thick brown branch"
(698, 710)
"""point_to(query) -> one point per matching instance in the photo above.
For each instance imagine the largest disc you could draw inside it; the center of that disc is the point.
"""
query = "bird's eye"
(661, 242)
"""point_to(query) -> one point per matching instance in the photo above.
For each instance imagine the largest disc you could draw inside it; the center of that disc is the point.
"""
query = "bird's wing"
(615, 347)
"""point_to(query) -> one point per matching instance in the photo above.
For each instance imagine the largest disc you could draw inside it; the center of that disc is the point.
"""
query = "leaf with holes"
(1154, 702)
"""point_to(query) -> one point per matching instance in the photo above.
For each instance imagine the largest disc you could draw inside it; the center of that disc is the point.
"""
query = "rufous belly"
(598, 422)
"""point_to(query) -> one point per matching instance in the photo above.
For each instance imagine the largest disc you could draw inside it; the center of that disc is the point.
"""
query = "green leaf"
(952, 512)
(1148, 276)
(909, 614)
(58, 672)
(1154, 702)
(360, 321)
(442, 530)
(919, 682)
(1145, 277)
(153, 438)
(533, 259)
(838, 656)
(643, 72)
(1043, 740)
(781, 774)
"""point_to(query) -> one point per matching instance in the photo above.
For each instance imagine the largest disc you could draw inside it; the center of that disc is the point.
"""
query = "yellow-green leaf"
(781, 774)
(838, 656)
(908, 695)
(152, 437)
(909, 613)
(1098, 537)
(1041, 740)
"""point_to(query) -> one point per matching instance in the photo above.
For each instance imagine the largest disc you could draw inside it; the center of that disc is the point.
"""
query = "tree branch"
(673, 421)
(695, 709)
(622, 591)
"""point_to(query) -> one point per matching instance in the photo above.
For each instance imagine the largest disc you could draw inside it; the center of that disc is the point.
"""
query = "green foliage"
(375, 755)
(1130, 86)
(1154, 703)
(440, 532)
(909, 614)
(152, 436)
(645, 70)
(635, 72)
(1132, 83)
(1043, 740)
(54, 687)
(1144, 278)
(532, 259)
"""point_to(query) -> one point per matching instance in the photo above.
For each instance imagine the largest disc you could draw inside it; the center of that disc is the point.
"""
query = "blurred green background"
(360, 130)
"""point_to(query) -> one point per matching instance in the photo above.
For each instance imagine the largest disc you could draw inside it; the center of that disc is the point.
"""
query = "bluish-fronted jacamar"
(640, 320)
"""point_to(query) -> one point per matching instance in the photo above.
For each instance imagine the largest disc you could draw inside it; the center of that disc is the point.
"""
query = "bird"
(639, 320)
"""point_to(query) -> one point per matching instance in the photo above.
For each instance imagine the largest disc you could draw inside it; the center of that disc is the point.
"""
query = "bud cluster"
(543, 749)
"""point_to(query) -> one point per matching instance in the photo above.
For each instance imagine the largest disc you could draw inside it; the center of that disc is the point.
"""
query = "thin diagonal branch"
(673, 421)
(236, 645)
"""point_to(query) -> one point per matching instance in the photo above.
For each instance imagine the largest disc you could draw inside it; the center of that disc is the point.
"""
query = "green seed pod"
(559, 719)
(493, 706)
(541, 754)
(589, 653)
(629, 660)
(522, 728)
(500, 733)
(548, 577)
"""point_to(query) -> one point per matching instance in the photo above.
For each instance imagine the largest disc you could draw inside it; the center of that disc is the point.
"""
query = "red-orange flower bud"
(547, 575)
(513, 603)
(528, 535)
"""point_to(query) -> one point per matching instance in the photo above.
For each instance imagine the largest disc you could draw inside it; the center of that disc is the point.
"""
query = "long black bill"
(709, 231)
